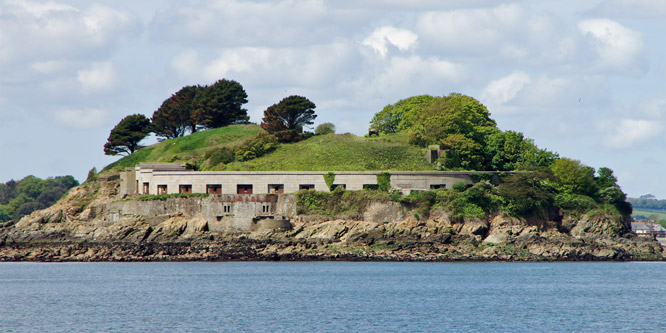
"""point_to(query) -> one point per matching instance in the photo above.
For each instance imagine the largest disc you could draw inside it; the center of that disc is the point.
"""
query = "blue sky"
(584, 78)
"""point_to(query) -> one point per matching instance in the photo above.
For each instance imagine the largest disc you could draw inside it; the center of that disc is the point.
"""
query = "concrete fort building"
(244, 201)
(169, 178)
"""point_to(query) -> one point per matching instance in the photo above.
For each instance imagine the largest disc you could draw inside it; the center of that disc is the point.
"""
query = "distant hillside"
(338, 152)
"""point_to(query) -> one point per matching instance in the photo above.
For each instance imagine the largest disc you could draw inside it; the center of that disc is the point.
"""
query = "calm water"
(259, 296)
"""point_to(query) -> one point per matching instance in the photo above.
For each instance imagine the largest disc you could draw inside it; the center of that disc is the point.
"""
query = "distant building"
(645, 228)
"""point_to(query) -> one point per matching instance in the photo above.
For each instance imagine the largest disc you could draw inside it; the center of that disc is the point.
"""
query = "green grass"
(332, 152)
(647, 212)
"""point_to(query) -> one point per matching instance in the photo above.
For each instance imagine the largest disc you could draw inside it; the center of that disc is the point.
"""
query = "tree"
(220, 104)
(174, 116)
(399, 116)
(325, 128)
(287, 118)
(125, 137)
(574, 177)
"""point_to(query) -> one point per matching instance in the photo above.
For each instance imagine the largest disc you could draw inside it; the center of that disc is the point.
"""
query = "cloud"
(81, 119)
(631, 9)
(100, 77)
(619, 48)
(313, 66)
(236, 23)
(403, 39)
(630, 132)
(503, 90)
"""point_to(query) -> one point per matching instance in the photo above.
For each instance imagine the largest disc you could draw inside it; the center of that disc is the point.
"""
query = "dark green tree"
(220, 104)
(125, 137)
(287, 118)
(174, 116)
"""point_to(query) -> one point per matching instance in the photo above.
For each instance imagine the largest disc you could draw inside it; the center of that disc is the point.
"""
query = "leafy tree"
(529, 194)
(257, 146)
(605, 178)
(325, 128)
(287, 118)
(399, 116)
(125, 137)
(4, 215)
(574, 177)
(220, 104)
(174, 116)
(503, 150)
(532, 156)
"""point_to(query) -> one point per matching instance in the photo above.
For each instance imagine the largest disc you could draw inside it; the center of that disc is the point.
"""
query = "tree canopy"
(125, 137)
(287, 118)
(19, 198)
(325, 128)
(174, 117)
(220, 104)
(399, 116)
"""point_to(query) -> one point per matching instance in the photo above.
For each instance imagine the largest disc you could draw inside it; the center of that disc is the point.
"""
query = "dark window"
(370, 187)
(275, 188)
(265, 208)
(244, 189)
(306, 187)
(227, 208)
(437, 186)
(214, 189)
(162, 189)
(343, 186)
(146, 188)
(185, 189)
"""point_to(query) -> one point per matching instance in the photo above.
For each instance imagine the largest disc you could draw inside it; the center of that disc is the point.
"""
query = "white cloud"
(618, 47)
(631, 8)
(81, 119)
(630, 132)
(35, 31)
(503, 90)
(100, 77)
(403, 39)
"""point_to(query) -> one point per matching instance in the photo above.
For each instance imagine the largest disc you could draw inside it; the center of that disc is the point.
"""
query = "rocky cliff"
(84, 226)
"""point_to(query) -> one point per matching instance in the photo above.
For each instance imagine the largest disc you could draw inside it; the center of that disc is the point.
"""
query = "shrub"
(460, 187)
(384, 181)
(258, 146)
(325, 128)
(222, 155)
(92, 175)
(329, 178)
(575, 203)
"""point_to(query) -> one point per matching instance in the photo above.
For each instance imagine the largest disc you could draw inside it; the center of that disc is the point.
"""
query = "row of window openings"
(247, 189)
(217, 189)
(264, 208)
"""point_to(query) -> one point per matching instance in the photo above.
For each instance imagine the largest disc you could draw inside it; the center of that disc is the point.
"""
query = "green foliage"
(504, 150)
(575, 203)
(329, 178)
(31, 193)
(384, 181)
(221, 155)
(220, 104)
(399, 116)
(460, 187)
(336, 203)
(174, 117)
(261, 144)
(287, 118)
(574, 177)
(126, 135)
(325, 128)
(528, 194)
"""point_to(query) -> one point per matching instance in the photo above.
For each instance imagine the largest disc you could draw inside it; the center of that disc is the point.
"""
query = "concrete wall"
(224, 213)
(261, 181)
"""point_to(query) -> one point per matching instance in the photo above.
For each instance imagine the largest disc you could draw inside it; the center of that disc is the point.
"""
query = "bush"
(460, 187)
(258, 146)
(384, 181)
(325, 128)
(222, 155)
(329, 178)
(575, 203)
(92, 175)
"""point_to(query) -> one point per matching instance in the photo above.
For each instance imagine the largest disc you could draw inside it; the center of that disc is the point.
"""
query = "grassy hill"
(339, 152)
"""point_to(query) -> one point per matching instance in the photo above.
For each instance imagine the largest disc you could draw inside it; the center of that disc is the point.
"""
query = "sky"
(586, 79)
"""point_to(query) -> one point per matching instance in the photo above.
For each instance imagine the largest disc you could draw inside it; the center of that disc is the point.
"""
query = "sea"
(332, 297)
